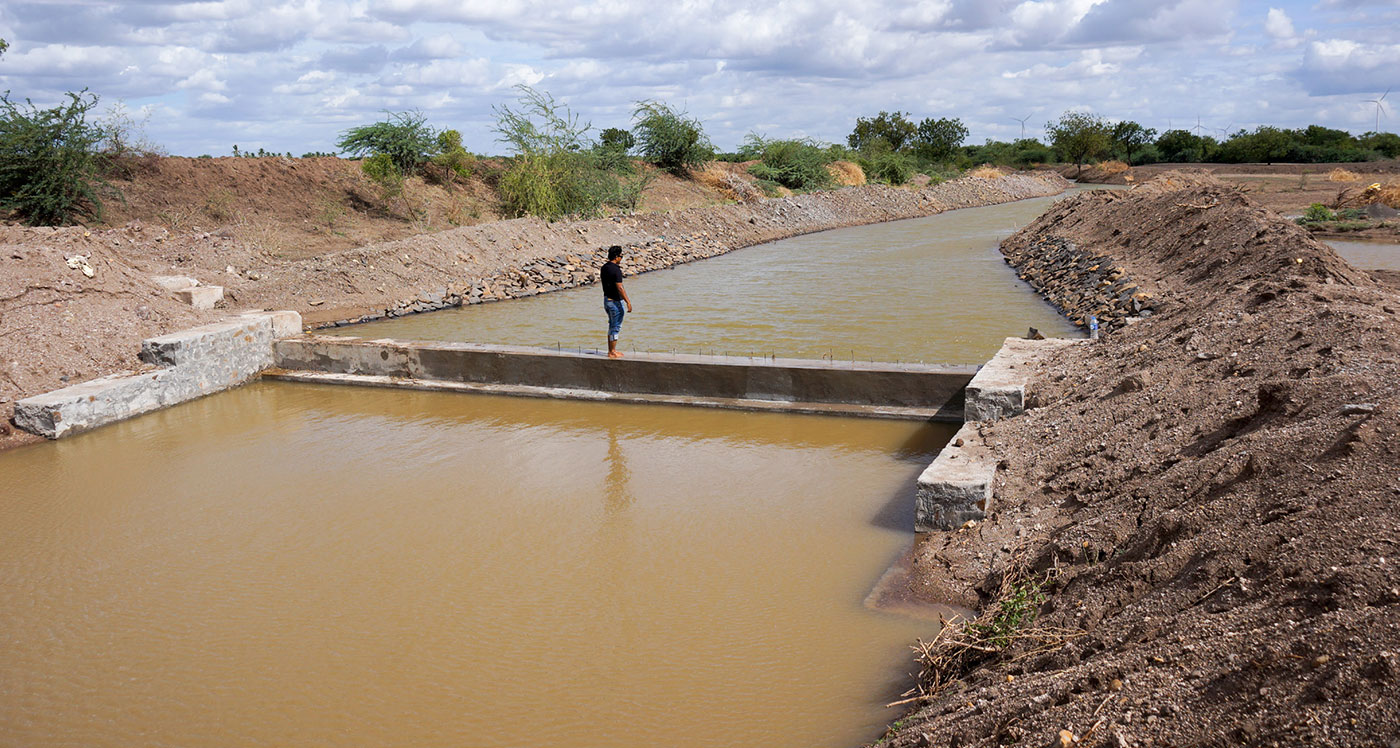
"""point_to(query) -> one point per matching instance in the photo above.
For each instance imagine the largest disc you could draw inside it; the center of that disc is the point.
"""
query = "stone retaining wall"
(192, 363)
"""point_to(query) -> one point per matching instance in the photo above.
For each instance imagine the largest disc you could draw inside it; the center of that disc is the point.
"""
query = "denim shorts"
(615, 312)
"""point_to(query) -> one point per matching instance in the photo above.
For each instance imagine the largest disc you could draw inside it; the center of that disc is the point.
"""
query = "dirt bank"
(61, 326)
(1286, 188)
(1206, 499)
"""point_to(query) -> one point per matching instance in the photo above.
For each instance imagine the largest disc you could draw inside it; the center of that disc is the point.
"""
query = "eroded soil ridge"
(1207, 499)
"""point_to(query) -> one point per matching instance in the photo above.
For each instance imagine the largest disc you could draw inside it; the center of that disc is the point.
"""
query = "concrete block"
(957, 487)
(201, 297)
(285, 323)
(998, 390)
(174, 282)
(85, 406)
(196, 362)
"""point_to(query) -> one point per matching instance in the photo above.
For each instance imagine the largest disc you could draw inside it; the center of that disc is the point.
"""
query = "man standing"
(614, 296)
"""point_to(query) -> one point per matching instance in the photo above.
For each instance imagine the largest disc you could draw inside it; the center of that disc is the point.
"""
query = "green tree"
(885, 131)
(670, 139)
(1182, 146)
(1079, 136)
(1272, 143)
(1265, 144)
(1317, 135)
(1022, 153)
(4, 45)
(616, 138)
(1130, 136)
(452, 160)
(939, 139)
(405, 137)
(50, 164)
(612, 148)
(1385, 143)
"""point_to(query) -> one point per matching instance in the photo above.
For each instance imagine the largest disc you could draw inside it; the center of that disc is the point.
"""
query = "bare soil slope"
(290, 207)
(302, 207)
(1209, 495)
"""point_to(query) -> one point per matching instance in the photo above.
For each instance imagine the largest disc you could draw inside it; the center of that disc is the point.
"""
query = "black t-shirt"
(611, 275)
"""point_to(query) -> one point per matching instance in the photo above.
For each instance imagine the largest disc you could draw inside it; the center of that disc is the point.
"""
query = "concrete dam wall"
(915, 391)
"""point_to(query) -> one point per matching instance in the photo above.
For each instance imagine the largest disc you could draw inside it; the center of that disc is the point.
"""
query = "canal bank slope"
(1207, 500)
(59, 325)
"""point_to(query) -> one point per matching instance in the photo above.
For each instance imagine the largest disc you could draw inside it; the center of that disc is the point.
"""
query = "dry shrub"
(1109, 168)
(262, 234)
(1005, 630)
(987, 171)
(727, 183)
(1342, 175)
(1390, 195)
(846, 173)
(712, 175)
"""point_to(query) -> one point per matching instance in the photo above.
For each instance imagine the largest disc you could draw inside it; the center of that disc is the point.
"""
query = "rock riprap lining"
(1080, 282)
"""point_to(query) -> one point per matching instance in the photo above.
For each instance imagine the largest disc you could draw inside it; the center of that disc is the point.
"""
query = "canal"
(305, 565)
(929, 289)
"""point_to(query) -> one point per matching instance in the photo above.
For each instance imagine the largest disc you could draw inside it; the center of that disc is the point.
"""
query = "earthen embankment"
(1207, 499)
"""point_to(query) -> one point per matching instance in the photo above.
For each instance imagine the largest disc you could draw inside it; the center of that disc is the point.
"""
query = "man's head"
(614, 252)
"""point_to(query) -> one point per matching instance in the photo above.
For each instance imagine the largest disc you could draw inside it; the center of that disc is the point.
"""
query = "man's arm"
(623, 291)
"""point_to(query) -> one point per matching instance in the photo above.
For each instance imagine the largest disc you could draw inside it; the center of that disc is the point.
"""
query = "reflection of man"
(618, 497)
(614, 296)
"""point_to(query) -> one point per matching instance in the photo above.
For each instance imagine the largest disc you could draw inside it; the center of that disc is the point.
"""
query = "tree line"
(55, 162)
(1078, 137)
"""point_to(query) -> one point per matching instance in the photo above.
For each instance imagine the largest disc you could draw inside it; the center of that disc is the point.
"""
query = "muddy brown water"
(1369, 255)
(308, 565)
(304, 565)
(929, 289)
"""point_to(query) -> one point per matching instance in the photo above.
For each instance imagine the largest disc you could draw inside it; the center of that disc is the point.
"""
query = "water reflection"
(617, 486)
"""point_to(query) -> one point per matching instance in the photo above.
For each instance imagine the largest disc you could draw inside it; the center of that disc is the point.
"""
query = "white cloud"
(203, 80)
(297, 72)
(1279, 27)
(1341, 66)
(438, 47)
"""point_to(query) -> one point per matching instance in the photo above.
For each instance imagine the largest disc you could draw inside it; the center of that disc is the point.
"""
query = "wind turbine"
(1380, 108)
(1022, 120)
(1199, 127)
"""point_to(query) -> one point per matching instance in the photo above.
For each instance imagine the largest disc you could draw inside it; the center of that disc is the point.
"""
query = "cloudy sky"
(289, 75)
